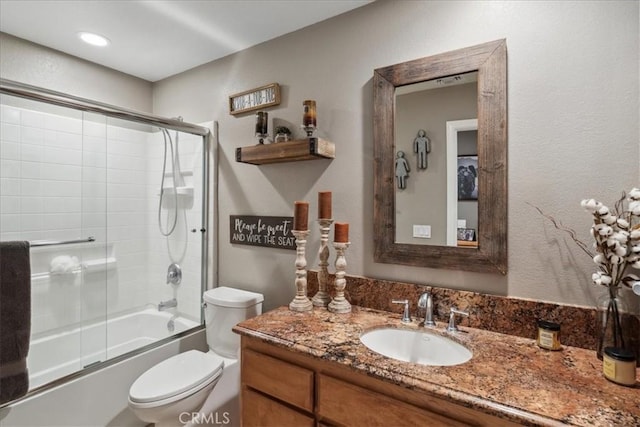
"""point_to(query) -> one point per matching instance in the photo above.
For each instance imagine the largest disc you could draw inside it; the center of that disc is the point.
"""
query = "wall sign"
(255, 99)
(268, 231)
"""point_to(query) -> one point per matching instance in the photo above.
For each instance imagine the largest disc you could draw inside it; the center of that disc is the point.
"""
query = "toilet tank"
(225, 308)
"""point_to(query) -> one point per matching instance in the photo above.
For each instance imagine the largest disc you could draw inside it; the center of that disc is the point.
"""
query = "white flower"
(634, 194)
(596, 277)
(619, 236)
(590, 205)
(623, 223)
(599, 278)
(616, 239)
(603, 229)
(615, 259)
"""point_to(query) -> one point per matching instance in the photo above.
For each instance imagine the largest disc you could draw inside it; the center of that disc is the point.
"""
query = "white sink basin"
(420, 347)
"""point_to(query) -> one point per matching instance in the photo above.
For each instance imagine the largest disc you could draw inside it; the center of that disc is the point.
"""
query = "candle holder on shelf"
(262, 138)
(262, 126)
(339, 304)
(322, 297)
(301, 302)
(309, 118)
(309, 130)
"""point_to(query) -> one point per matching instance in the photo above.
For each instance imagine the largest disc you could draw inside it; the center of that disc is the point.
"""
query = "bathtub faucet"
(164, 305)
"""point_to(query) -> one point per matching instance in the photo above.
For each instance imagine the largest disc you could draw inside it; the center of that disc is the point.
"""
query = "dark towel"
(15, 319)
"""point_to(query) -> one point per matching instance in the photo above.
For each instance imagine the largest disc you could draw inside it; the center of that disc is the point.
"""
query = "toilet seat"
(173, 379)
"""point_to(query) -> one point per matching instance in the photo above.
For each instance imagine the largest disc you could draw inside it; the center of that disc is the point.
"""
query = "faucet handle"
(406, 318)
(452, 318)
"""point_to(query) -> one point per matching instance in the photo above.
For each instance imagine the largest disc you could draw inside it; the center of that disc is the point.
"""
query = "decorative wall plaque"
(255, 99)
(268, 231)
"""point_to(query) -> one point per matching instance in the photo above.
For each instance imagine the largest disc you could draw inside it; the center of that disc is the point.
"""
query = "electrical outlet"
(422, 231)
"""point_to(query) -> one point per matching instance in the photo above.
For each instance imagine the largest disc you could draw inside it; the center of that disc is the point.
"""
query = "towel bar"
(60, 242)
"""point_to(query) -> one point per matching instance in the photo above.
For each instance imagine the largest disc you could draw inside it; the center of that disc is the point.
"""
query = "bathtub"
(97, 397)
(55, 355)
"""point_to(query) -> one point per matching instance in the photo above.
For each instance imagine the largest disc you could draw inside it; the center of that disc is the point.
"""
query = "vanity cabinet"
(275, 392)
(285, 388)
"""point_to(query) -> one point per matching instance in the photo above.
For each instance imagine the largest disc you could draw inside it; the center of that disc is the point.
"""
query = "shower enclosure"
(115, 205)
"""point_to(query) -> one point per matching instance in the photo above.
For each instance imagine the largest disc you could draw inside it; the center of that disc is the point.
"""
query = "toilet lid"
(176, 375)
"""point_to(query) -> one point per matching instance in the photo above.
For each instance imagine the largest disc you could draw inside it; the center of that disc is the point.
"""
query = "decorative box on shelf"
(290, 151)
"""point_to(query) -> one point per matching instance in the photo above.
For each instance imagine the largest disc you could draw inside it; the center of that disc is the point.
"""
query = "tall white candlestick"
(301, 302)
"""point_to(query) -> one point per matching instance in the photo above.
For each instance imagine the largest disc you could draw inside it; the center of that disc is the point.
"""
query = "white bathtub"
(99, 398)
(55, 355)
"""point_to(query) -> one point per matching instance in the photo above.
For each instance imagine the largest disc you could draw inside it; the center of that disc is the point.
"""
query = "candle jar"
(262, 119)
(309, 116)
(619, 366)
(548, 335)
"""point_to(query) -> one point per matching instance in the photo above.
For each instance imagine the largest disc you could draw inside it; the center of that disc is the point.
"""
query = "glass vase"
(611, 320)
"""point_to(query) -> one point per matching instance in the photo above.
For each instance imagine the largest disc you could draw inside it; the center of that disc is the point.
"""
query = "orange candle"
(301, 216)
(324, 205)
(341, 234)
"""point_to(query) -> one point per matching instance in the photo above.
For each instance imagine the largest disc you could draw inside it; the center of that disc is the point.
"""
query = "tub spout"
(164, 305)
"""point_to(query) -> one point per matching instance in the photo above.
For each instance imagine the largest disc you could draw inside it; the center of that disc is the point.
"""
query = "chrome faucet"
(426, 302)
(452, 318)
(406, 318)
(164, 305)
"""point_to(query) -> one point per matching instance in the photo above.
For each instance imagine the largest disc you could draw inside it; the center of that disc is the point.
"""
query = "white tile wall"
(63, 177)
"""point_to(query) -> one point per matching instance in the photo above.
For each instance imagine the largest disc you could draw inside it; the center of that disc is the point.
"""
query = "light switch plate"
(422, 231)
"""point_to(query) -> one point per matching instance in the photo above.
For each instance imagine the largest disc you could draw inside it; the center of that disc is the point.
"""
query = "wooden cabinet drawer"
(282, 380)
(369, 408)
(261, 411)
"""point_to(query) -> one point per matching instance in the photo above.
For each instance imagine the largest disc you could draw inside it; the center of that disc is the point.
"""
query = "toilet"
(169, 392)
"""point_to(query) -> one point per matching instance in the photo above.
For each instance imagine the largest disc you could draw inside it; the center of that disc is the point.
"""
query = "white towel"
(64, 264)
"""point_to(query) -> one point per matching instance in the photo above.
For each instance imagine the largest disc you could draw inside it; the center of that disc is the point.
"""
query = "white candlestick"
(301, 302)
(322, 297)
(339, 304)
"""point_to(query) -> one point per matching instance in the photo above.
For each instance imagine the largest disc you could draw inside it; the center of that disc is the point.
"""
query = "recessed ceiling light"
(93, 39)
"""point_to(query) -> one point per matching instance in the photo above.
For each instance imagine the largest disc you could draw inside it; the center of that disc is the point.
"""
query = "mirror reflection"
(436, 192)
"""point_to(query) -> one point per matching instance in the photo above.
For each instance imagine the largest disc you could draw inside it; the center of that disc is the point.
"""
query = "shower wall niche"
(72, 175)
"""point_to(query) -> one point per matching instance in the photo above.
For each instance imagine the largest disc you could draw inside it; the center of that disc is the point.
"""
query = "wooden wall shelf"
(290, 151)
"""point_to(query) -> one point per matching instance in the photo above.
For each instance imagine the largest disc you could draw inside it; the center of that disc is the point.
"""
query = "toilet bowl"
(175, 385)
(171, 391)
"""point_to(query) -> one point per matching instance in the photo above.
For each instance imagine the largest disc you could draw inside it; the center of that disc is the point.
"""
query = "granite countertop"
(507, 376)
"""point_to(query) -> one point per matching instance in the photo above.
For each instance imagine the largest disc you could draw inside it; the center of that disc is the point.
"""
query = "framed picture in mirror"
(467, 234)
(467, 177)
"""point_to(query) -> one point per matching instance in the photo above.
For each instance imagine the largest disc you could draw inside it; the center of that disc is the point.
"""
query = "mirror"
(430, 130)
(489, 253)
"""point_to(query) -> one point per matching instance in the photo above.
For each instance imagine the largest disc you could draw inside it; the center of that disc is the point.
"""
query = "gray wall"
(573, 128)
(37, 65)
(573, 96)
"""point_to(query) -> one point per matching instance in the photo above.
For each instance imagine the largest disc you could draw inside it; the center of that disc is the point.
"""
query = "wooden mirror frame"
(490, 60)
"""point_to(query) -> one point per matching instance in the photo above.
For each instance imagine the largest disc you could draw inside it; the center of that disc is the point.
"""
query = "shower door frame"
(47, 96)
